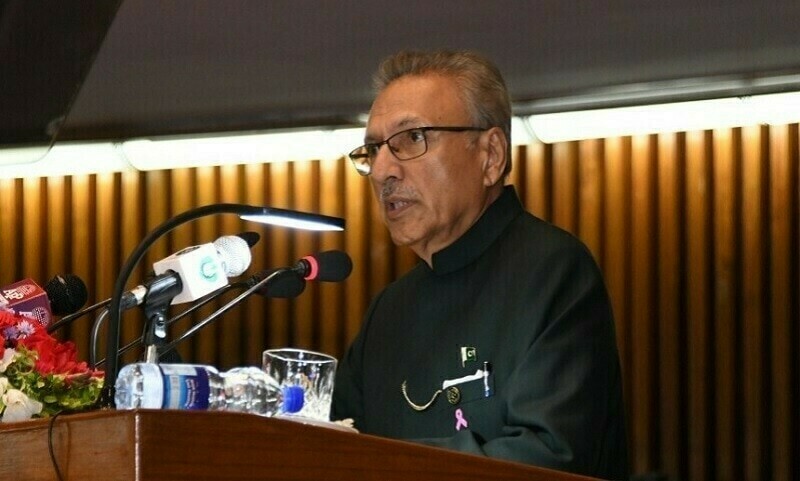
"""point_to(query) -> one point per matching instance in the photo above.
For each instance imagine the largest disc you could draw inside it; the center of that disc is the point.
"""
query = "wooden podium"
(189, 445)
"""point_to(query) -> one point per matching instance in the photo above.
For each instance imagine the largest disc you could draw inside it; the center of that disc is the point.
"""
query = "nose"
(385, 165)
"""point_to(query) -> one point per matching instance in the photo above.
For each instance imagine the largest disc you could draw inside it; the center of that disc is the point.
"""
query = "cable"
(93, 338)
(50, 446)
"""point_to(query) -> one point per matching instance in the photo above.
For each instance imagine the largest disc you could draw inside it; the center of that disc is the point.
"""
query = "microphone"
(61, 295)
(185, 276)
(328, 266)
(193, 272)
(67, 293)
(131, 299)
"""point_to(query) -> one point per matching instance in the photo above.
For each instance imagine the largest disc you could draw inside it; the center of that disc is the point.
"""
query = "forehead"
(415, 101)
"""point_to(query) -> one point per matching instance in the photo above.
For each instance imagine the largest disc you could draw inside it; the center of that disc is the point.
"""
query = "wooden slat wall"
(697, 233)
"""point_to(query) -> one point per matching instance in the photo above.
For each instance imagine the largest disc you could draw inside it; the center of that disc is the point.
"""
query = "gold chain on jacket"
(414, 406)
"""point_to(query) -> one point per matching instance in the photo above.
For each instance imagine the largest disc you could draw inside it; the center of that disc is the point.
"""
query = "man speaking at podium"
(501, 341)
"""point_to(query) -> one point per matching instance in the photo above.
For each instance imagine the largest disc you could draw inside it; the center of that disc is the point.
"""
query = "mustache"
(389, 188)
(393, 187)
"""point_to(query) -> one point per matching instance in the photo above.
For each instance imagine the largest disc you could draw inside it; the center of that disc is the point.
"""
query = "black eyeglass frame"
(355, 156)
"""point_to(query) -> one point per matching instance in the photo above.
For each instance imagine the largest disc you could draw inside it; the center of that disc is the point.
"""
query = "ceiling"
(91, 69)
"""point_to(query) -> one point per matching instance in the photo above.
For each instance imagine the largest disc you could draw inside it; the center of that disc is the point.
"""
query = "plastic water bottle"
(201, 387)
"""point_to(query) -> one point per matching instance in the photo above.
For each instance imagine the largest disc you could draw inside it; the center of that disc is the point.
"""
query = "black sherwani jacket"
(515, 316)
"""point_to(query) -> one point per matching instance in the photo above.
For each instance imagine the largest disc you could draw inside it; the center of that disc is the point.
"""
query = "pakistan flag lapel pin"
(468, 354)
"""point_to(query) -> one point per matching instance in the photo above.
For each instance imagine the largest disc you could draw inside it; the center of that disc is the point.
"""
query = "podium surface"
(190, 445)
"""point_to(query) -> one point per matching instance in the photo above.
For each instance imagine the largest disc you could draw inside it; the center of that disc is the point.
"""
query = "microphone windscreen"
(328, 266)
(286, 284)
(234, 253)
(67, 294)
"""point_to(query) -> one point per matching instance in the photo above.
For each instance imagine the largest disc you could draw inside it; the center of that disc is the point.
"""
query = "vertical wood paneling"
(134, 216)
(105, 253)
(519, 170)
(83, 265)
(783, 248)
(590, 196)
(617, 252)
(56, 221)
(754, 306)
(32, 230)
(256, 316)
(231, 326)
(536, 192)
(280, 253)
(10, 222)
(207, 180)
(357, 245)
(565, 186)
(698, 185)
(643, 318)
(304, 200)
(671, 321)
(331, 294)
(182, 189)
(697, 235)
(725, 291)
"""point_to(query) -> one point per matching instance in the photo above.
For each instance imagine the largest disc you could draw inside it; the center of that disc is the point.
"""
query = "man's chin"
(402, 238)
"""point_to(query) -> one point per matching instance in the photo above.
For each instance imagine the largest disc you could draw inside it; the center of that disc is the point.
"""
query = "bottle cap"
(292, 399)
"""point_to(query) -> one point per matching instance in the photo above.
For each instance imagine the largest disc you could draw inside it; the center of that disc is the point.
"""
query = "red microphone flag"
(27, 299)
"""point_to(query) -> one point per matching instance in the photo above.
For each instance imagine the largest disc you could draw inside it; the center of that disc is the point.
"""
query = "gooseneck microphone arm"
(222, 310)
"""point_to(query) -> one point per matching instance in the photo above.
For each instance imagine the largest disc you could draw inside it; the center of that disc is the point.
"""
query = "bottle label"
(185, 387)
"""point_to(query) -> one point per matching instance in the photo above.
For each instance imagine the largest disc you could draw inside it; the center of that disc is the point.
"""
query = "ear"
(494, 149)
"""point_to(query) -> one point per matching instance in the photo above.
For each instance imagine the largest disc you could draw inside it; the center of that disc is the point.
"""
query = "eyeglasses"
(404, 145)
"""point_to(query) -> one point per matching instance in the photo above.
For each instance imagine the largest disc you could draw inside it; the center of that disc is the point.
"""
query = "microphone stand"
(156, 303)
(202, 302)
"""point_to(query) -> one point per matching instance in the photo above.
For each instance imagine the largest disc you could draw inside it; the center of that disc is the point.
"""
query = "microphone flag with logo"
(27, 299)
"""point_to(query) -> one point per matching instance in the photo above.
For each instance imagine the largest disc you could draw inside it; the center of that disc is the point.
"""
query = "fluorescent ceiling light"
(64, 159)
(662, 118)
(23, 155)
(157, 154)
(171, 153)
(521, 133)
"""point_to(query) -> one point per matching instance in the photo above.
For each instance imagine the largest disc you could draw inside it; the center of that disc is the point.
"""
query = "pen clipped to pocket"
(471, 387)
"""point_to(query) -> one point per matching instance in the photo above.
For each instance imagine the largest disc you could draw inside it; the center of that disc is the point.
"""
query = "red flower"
(53, 357)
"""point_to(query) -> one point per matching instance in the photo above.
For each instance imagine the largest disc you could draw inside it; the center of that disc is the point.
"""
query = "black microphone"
(67, 293)
(286, 284)
(61, 294)
(328, 266)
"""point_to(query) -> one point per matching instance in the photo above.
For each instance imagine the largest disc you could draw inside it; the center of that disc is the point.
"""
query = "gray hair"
(482, 87)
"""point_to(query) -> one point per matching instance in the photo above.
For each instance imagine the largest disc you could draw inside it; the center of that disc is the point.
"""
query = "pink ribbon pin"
(460, 421)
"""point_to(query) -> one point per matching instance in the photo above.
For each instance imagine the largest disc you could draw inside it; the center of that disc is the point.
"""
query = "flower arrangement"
(40, 376)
